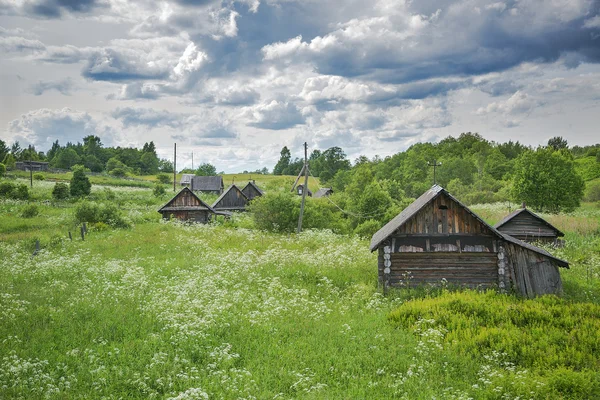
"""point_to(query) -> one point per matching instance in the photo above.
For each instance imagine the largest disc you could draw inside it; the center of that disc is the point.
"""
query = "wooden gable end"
(233, 198)
(526, 225)
(185, 198)
(444, 216)
(251, 192)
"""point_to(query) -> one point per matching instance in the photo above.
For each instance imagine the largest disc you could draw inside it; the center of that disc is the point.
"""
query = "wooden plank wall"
(532, 273)
(443, 215)
(232, 199)
(525, 225)
(251, 192)
(469, 269)
(184, 199)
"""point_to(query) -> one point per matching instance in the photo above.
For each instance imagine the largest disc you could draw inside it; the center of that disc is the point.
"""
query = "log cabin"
(231, 200)
(251, 190)
(186, 206)
(438, 239)
(527, 226)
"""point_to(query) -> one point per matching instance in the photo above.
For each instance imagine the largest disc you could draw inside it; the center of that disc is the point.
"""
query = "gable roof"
(406, 214)
(209, 183)
(526, 210)
(252, 184)
(186, 179)
(225, 193)
(202, 206)
(323, 192)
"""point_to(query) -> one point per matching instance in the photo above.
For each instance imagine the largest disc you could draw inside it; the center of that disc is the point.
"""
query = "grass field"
(172, 311)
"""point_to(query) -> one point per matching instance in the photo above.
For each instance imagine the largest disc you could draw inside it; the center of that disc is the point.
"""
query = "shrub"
(21, 192)
(276, 212)
(118, 172)
(30, 211)
(109, 194)
(2, 170)
(60, 191)
(95, 213)
(80, 184)
(6, 189)
(592, 193)
(164, 178)
(159, 190)
(39, 177)
(368, 228)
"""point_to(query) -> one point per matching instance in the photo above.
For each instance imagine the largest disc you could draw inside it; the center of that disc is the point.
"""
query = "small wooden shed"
(251, 190)
(186, 180)
(527, 226)
(437, 238)
(231, 200)
(323, 192)
(208, 184)
(186, 206)
(300, 189)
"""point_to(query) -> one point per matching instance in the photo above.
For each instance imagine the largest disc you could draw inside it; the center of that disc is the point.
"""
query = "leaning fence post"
(85, 228)
(82, 233)
(37, 248)
(70, 237)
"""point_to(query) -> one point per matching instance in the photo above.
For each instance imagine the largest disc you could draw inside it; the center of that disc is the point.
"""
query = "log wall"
(532, 273)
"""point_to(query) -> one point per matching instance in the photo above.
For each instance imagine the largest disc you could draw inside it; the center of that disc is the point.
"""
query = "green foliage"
(9, 190)
(284, 161)
(588, 168)
(30, 211)
(114, 163)
(60, 191)
(547, 181)
(558, 143)
(149, 163)
(368, 228)
(206, 169)
(9, 161)
(163, 178)
(66, 159)
(106, 213)
(118, 172)
(276, 212)
(2, 170)
(326, 165)
(80, 184)
(159, 190)
(592, 192)
(39, 177)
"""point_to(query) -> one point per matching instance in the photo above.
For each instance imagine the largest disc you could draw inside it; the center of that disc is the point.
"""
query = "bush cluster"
(60, 191)
(164, 179)
(30, 211)
(9, 190)
(105, 213)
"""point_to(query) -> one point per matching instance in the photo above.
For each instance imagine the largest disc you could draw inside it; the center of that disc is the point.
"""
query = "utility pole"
(305, 188)
(192, 160)
(174, 166)
(30, 173)
(435, 164)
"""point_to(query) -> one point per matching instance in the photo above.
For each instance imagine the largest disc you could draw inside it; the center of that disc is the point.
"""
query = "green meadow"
(166, 310)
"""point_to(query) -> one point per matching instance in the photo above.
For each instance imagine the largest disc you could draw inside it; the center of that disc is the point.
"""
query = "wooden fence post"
(82, 233)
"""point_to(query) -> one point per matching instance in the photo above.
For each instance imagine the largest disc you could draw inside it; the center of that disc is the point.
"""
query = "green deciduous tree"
(206, 169)
(80, 184)
(284, 161)
(547, 181)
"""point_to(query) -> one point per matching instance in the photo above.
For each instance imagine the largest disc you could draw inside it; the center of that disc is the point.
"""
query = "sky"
(232, 82)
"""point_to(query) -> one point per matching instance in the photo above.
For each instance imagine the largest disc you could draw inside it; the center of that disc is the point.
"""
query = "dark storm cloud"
(56, 8)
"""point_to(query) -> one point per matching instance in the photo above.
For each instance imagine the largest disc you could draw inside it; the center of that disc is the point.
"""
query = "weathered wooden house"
(231, 200)
(207, 184)
(186, 180)
(437, 238)
(251, 190)
(323, 192)
(186, 206)
(527, 226)
(300, 189)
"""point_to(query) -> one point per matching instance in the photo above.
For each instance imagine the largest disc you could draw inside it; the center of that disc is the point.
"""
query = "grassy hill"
(174, 311)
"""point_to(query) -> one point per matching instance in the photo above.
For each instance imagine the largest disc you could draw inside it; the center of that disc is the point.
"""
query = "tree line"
(90, 154)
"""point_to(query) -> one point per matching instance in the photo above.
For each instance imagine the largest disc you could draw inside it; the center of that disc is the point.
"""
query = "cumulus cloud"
(509, 110)
(43, 126)
(274, 115)
(57, 8)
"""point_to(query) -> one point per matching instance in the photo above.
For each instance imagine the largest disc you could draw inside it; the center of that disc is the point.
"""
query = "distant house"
(231, 200)
(207, 184)
(300, 189)
(186, 206)
(186, 180)
(323, 192)
(527, 226)
(31, 166)
(251, 190)
(437, 238)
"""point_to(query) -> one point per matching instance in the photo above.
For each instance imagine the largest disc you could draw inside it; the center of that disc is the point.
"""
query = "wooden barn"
(231, 200)
(437, 238)
(323, 192)
(207, 184)
(527, 226)
(251, 190)
(186, 206)
(186, 180)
